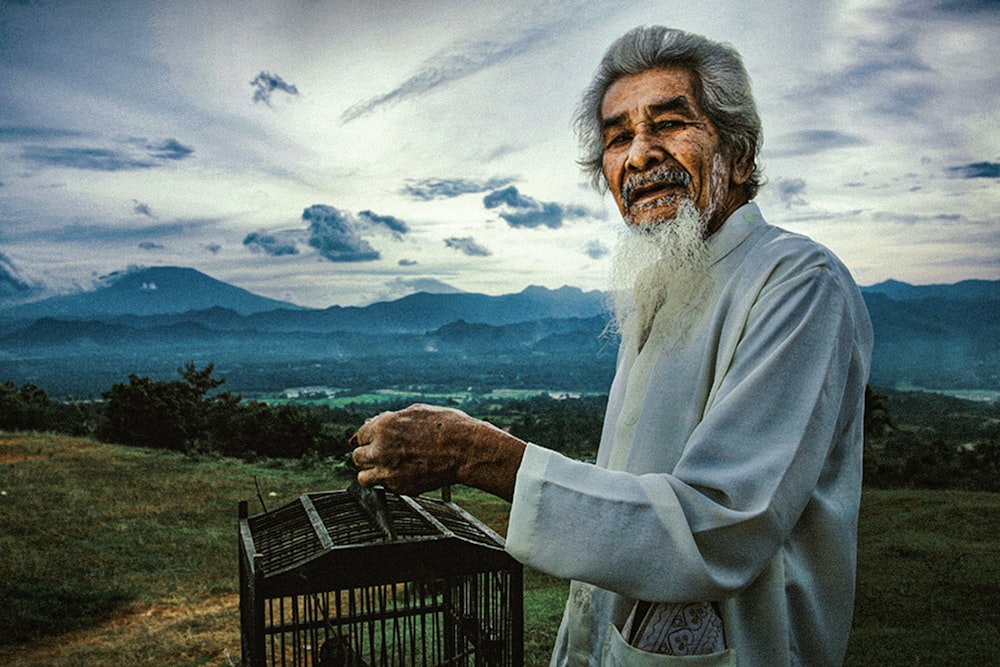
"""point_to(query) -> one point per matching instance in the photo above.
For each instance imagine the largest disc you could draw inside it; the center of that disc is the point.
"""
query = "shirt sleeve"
(773, 438)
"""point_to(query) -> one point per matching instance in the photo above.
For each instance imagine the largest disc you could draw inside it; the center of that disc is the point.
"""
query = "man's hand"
(426, 447)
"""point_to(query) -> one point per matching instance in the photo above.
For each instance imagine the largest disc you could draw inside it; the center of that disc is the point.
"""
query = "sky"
(342, 152)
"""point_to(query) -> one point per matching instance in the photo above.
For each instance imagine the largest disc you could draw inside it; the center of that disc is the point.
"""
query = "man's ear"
(742, 168)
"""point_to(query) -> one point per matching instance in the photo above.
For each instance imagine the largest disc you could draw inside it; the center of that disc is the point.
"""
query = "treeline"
(189, 414)
(912, 439)
(923, 440)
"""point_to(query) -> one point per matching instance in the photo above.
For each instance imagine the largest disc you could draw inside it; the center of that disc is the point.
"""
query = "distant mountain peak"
(160, 290)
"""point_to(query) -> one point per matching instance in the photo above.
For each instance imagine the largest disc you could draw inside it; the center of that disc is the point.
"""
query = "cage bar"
(347, 579)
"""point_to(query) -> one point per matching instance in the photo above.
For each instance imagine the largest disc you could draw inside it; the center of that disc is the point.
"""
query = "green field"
(335, 398)
(116, 555)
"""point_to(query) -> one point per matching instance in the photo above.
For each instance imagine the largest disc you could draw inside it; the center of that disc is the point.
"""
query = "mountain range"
(940, 336)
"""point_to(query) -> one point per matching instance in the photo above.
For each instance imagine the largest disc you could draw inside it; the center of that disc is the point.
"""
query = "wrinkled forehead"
(637, 97)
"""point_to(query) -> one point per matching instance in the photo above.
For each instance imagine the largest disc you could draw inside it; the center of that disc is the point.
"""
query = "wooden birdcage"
(364, 577)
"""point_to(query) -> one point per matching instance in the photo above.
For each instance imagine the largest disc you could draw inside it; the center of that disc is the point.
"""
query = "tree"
(185, 415)
(27, 409)
(878, 420)
(170, 414)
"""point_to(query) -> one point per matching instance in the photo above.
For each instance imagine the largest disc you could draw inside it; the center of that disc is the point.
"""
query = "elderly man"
(720, 520)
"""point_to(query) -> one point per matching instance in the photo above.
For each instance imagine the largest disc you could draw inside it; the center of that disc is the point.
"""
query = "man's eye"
(617, 139)
(664, 125)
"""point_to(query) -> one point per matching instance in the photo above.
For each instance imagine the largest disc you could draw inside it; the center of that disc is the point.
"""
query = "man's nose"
(645, 150)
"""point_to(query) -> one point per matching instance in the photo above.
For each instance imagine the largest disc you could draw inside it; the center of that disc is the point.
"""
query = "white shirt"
(729, 468)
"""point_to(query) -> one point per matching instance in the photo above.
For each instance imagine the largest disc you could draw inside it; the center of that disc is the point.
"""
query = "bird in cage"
(336, 651)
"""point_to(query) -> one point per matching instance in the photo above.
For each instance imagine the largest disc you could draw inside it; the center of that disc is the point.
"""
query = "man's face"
(660, 148)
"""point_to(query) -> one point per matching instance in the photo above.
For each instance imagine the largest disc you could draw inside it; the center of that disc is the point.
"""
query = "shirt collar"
(734, 231)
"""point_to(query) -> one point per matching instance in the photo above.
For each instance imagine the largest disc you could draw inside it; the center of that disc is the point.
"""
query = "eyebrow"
(680, 104)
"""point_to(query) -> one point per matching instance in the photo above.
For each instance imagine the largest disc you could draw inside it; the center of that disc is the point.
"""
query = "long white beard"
(659, 266)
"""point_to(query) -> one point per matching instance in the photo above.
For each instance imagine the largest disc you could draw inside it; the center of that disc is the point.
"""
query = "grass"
(929, 577)
(115, 555)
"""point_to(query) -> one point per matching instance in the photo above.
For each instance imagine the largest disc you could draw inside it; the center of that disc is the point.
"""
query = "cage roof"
(352, 537)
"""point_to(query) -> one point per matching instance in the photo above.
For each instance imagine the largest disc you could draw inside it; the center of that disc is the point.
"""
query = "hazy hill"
(149, 291)
(155, 298)
(152, 321)
(965, 290)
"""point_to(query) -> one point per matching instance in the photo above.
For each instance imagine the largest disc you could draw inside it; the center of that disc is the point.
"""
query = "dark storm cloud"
(269, 244)
(265, 84)
(392, 223)
(468, 246)
(448, 188)
(335, 235)
(975, 170)
(522, 211)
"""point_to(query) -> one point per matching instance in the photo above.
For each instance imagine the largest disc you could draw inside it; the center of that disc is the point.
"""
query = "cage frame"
(432, 541)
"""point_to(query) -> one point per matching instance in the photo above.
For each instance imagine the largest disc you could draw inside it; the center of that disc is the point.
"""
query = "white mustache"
(662, 175)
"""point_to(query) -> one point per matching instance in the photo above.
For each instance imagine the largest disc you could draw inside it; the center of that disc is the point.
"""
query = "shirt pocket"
(618, 653)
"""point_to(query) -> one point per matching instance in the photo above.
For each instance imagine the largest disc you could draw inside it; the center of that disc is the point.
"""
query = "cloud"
(213, 248)
(168, 149)
(266, 83)
(269, 244)
(335, 235)
(134, 155)
(596, 250)
(149, 245)
(791, 191)
(393, 224)
(12, 285)
(468, 246)
(140, 208)
(522, 211)
(448, 188)
(455, 62)
(407, 262)
(910, 219)
(975, 170)
(111, 233)
(429, 285)
(969, 7)
(810, 142)
(91, 159)
(10, 134)
(890, 68)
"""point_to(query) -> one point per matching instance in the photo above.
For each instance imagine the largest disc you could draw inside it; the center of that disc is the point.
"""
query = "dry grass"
(117, 555)
(181, 633)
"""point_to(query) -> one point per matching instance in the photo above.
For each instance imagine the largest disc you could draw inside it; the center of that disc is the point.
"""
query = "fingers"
(365, 451)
